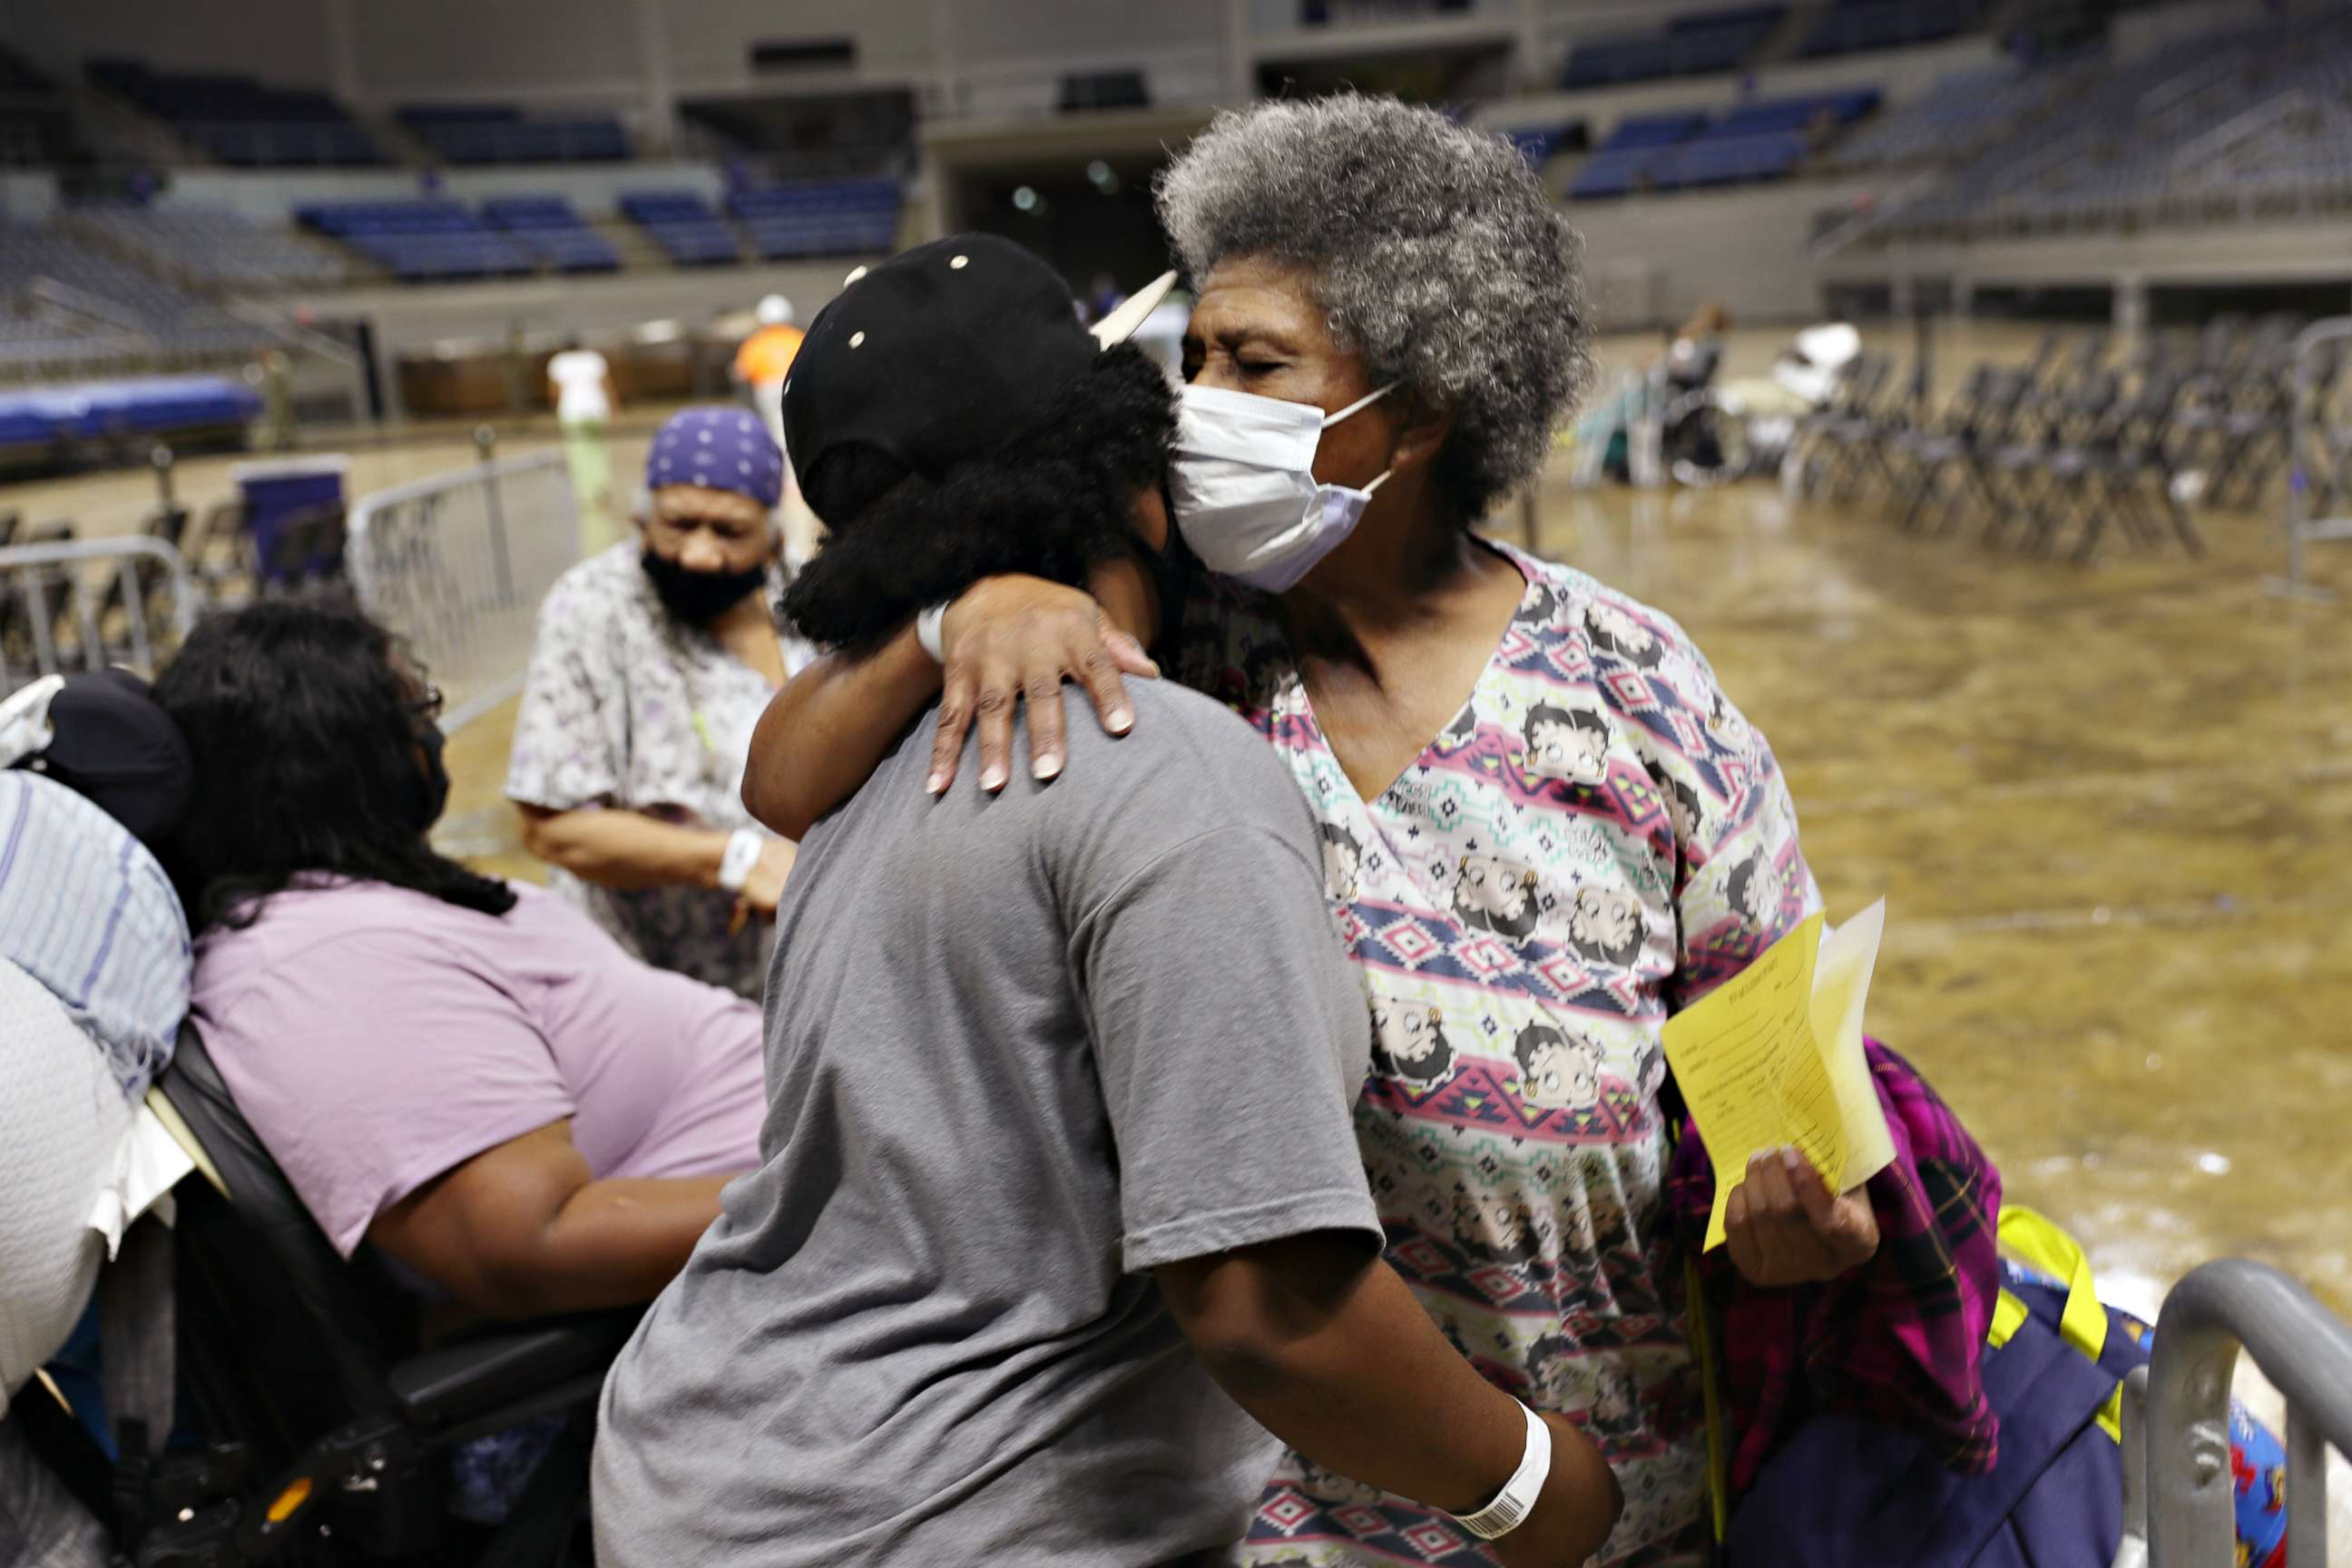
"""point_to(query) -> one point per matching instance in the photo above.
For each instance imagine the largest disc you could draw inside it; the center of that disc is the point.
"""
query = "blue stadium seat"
(420, 241)
(1759, 116)
(478, 133)
(819, 217)
(1538, 146)
(549, 228)
(1660, 129)
(1695, 44)
(687, 228)
(1614, 174)
(1729, 160)
(1761, 139)
(242, 121)
(1854, 26)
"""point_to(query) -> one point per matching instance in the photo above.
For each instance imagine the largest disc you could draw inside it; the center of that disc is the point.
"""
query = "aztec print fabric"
(1596, 840)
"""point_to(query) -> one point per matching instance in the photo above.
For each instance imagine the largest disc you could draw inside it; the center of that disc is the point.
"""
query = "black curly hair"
(1056, 502)
(305, 734)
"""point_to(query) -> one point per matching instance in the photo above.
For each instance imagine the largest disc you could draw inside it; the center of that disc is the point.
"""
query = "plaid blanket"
(1899, 1340)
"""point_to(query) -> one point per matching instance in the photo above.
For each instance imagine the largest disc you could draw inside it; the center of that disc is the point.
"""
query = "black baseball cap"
(939, 355)
(111, 742)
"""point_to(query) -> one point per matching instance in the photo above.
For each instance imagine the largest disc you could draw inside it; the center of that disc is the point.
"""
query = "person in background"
(1695, 352)
(94, 977)
(95, 773)
(765, 358)
(762, 364)
(466, 1075)
(1058, 1191)
(582, 383)
(276, 373)
(1103, 297)
(1694, 355)
(651, 665)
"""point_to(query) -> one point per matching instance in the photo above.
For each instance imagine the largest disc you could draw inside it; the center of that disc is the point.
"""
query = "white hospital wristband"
(1517, 1498)
(927, 632)
(742, 859)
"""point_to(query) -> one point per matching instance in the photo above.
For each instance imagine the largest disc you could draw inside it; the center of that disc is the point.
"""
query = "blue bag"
(1845, 1492)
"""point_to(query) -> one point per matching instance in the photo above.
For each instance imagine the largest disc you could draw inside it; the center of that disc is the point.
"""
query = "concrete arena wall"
(414, 323)
(1748, 247)
(2223, 254)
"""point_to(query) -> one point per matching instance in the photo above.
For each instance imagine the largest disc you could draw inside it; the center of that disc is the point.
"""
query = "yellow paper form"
(1774, 1057)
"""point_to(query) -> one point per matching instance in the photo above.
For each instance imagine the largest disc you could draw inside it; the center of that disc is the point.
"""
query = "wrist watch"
(741, 859)
(927, 632)
(1517, 1498)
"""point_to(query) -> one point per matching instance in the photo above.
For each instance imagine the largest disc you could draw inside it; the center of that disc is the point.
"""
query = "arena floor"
(2110, 809)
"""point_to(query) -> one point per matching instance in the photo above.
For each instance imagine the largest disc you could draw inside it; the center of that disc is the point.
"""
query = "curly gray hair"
(1436, 255)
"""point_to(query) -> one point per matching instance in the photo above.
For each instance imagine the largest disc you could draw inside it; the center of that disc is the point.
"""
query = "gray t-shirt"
(1019, 1053)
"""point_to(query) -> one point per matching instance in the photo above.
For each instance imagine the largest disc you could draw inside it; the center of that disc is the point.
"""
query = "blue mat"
(145, 404)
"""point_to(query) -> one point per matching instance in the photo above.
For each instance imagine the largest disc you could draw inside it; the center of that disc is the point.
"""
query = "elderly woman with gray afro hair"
(1389, 326)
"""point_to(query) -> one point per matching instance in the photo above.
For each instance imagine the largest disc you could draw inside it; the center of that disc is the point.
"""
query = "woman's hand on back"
(1015, 637)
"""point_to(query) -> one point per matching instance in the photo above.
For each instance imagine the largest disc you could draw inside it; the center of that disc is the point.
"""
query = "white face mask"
(1242, 482)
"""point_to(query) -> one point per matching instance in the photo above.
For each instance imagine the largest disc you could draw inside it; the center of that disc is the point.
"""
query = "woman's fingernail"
(1045, 767)
(935, 783)
(992, 778)
(1792, 1159)
(1121, 721)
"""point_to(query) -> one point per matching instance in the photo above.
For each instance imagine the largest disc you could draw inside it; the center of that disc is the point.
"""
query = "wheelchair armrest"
(462, 1381)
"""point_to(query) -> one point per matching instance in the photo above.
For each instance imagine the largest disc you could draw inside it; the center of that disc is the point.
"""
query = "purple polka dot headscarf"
(722, 448)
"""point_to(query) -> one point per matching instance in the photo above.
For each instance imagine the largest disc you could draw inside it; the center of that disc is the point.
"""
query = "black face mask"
(699, 598)
(432, 791)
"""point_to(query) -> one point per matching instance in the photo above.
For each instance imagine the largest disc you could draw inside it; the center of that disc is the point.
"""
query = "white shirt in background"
(579, 376)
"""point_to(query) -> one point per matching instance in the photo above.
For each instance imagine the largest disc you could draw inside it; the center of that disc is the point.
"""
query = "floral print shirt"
(1595, 841)
(626, 708)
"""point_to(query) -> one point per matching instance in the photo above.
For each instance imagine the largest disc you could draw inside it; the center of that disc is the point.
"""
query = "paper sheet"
(147, 1164)
(1773, 1057)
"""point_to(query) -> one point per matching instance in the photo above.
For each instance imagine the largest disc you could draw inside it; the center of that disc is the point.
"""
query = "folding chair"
(2108, 473)
(1843, 440)
(2255, 431)
(1974, 425)
(44, 596)
(2028, 469)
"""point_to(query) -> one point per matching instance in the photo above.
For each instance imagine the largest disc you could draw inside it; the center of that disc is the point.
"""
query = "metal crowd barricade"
(457, 564)
(88, 604)
(2320, 446)
(2178, 1486)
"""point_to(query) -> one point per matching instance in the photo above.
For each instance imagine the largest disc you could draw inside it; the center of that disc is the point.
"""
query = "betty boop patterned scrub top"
(1596, 841)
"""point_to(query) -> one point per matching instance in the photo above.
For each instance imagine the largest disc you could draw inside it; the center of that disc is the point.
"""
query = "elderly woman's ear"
(1423, 424)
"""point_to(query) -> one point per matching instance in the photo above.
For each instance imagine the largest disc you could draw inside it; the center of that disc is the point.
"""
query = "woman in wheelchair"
(470, 1076)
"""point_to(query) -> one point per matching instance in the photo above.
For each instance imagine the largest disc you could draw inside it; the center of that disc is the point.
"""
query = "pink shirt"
(376, 1037)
